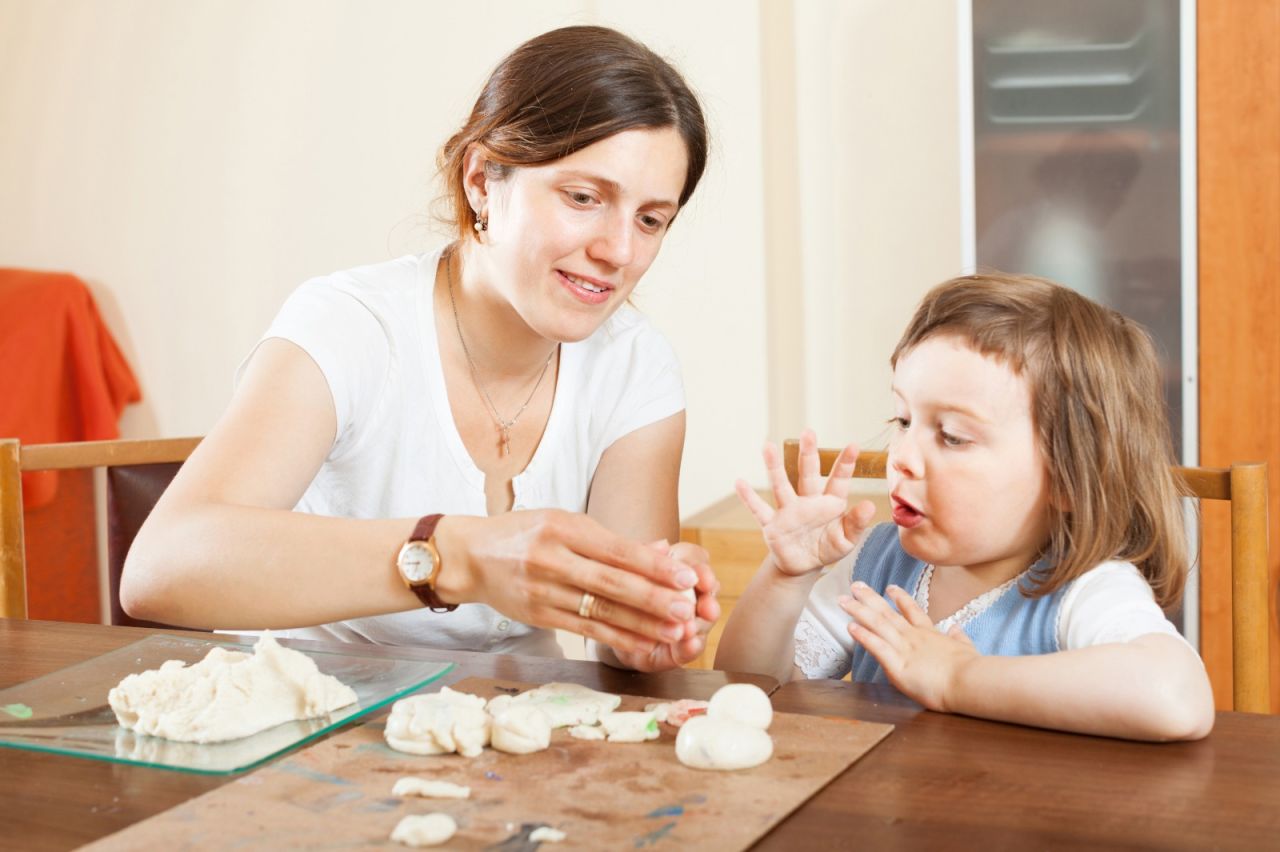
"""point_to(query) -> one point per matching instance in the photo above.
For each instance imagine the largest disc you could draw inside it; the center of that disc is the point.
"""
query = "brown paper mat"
(337, 793)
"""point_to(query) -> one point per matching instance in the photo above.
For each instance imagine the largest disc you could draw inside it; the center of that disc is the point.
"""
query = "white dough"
(586, 732)
(424, 830)
(565, 704)
(741, 702)
(521, 729)
(632, 727)
(708, 743)
(429, 789)
(440, 723)
(227, 695)
(546, 834)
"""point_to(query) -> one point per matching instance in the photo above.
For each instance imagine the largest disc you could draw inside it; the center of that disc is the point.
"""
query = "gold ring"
(584, 606)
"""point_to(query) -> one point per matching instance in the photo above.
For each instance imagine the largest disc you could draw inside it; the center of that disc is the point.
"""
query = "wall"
(195, 161)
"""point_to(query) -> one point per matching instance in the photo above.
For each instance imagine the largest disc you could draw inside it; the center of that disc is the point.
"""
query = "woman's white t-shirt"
(397, 452)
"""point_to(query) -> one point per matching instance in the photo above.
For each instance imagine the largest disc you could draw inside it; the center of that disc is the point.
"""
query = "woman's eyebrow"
(613, 187)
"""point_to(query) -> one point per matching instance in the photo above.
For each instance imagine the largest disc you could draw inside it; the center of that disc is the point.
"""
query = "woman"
(502, 383)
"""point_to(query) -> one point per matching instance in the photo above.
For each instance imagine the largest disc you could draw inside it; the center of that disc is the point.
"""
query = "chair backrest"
(138, 471)
(1244, 485)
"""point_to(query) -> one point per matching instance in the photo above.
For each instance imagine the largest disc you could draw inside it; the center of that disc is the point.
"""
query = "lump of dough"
(546, 834)
(676, 713)
(632, 727)
(521, 729)
(227, 695)
(440, 723)
(586, 732)
(708, 743)
(429, 789)
(565, 704)
(424, 830)
(745, 703)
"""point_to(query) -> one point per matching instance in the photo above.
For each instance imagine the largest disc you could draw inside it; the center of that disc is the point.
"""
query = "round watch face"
(416, 563)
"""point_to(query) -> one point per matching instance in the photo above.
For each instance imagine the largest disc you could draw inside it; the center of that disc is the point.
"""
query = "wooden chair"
(1244, 485)
(138, 471)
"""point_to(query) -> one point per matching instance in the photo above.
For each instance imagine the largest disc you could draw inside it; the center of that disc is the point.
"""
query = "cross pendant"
(505, 440)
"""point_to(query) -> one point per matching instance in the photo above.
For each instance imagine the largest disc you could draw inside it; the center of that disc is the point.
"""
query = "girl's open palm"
(813, 525)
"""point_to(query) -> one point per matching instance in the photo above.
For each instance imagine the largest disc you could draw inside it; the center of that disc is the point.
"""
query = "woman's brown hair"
(1098, 405)
(562, 91)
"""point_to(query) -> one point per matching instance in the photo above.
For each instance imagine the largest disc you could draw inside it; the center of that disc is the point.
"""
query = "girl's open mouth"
(904, 514)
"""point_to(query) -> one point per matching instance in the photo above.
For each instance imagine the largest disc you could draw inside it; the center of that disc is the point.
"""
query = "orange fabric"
(64, 378)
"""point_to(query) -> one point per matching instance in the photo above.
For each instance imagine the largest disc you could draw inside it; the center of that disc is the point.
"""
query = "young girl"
(1037, 529)
(467, 448)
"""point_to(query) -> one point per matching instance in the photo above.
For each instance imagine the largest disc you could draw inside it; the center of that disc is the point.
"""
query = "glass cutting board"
(66, 712)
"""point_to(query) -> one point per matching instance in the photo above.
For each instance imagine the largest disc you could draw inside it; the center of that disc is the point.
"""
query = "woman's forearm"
(237, 567)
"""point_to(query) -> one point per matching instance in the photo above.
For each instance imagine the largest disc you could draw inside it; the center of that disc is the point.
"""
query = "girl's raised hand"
(812, 526)
(921, 662)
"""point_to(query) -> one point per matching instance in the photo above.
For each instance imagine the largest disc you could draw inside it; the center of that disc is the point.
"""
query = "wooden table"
(937, 782)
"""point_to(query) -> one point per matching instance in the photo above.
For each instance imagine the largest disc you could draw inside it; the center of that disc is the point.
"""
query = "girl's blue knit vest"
(1014, 625)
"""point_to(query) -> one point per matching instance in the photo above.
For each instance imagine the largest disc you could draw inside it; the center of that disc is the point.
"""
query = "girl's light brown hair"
(1098, 405)
(562, 91)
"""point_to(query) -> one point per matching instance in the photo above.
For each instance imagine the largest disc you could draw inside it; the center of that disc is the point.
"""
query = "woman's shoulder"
(374, 280)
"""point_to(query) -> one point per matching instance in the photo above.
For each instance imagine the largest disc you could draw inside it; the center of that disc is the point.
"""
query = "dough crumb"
(632, 727)
(429, 789)
(424, 830)
(546, 834)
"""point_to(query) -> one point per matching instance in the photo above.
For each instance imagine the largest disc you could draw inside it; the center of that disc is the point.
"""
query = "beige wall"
(195, 161)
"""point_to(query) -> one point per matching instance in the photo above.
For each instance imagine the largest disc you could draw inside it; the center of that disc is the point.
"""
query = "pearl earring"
(481, 225)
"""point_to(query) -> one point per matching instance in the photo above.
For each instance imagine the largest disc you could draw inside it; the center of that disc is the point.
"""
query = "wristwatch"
(419, 564)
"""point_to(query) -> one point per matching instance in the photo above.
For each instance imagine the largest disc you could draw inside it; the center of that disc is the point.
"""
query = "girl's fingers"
(783, 493)
(877, 647)
(842, 472)
(907, 605)
(810, 469)
(856, 521)
(756, 505)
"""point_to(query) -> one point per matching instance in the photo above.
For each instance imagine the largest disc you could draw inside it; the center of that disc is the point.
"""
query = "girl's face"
(967, 480)
(569, 241)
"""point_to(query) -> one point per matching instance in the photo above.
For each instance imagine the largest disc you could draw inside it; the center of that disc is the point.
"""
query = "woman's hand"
(537, 566)
(815, 527)
(673, 655)
(921, 662)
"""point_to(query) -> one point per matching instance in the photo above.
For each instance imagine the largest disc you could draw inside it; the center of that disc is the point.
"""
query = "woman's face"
(568, 241)
(967, 481)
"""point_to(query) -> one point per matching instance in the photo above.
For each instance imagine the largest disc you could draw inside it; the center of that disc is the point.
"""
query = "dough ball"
(708, 743)
(742, 702)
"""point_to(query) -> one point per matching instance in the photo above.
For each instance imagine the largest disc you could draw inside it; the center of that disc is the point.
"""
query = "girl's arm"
(634, 494)
(807, 531)
(1152, 687)
(223, 548)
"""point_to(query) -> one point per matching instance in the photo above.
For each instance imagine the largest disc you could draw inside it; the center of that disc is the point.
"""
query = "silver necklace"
(504, 424)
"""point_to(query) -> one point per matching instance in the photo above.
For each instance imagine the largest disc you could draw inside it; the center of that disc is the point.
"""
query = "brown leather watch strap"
(422, 531)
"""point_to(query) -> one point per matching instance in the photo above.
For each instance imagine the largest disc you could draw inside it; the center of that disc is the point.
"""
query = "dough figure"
(429, 789)
(227, 695)
(732, 733)
(633, 727)
(565, 704)
(522, 729)
(424, 830)
(439, 723)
